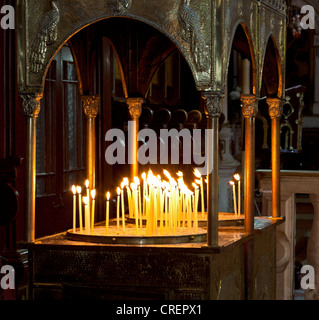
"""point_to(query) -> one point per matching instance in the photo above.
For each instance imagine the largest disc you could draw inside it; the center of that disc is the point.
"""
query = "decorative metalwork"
(119, 6)
(190, 23)
(47, 35)
(91, 105)
(213, 105)
(249, 105)
(275, 108)
(135, 107)
(278, 5)
(31, 104)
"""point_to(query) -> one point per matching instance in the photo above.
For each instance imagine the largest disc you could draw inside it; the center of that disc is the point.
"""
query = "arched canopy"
(201, 30)
(242, 42)
(272, 73)
(68, 19)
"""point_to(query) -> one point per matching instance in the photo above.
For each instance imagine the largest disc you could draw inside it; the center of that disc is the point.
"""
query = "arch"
(272, 62)
(240, 29)
(86, 24)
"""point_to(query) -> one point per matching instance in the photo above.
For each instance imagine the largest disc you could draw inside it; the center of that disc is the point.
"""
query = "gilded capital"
(274, 107)
(249, 105)
(135, 107)
(213, 103)
(91, 105)
(31, 104)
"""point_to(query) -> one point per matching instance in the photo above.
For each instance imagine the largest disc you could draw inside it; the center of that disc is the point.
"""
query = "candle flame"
(85, 200)
(93, 194)
(198, 181)
(118, 191)
(108, 195)
(137, 181)
(197, 173)
(79, 189)
(195, 185)
(232, 183)
(125, 182)
(74, 190)
(144, 175)
(237, 177)
(167, 174)
(179, 174)
(87, 182)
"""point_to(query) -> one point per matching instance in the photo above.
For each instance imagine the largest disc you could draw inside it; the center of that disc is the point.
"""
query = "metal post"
(135, 111)
(31, 109)
(213, 109)
(91, 110)
(275, 113)
(249, 109)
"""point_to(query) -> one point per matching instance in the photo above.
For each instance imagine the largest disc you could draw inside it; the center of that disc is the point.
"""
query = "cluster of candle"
(237, 206)
(87, 223)
(160, 205)
(157, 205)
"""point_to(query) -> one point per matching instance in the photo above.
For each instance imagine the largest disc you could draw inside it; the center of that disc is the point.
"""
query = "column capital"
(275, 107)
(249, 105)
(135, 107)
(213, 103)
(91, 105)
(31, 103)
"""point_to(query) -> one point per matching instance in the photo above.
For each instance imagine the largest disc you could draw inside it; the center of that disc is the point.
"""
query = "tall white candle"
(93, 194)
(237, 177)
(74, 207)
(198, 175)
(144, 193)
(87, 214)
(87, 185)
(79, 191)
(122, 204)
(118, 207)
(107, 213)
(232, 183)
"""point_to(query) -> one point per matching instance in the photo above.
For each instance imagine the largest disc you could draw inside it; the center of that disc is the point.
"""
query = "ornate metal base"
(129, 236)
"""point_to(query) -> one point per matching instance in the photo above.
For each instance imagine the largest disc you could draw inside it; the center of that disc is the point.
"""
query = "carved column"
(275, 113)
(31, 109)
(135, 111)
(249, 109)
(213, 109)
(91, 110)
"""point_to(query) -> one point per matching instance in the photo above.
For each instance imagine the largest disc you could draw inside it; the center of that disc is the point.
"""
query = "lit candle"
(87, 183)
(147, 212)
(118, 208)
(232, 183)
(107, 213)
(87, 214)
(196, 209)
(74, 207)
(198, 175)
(237, 177)
(129, 196)
(122, 203)
(79, 190)
(144, 192)
(93, 194)
(135, 204)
